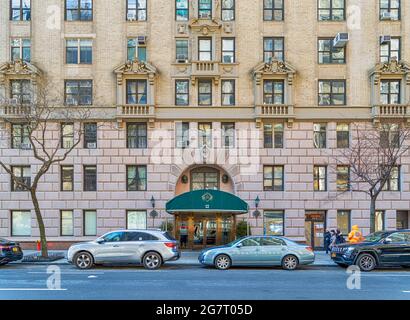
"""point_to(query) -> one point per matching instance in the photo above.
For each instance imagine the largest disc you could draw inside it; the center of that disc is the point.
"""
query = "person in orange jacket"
(355, 235)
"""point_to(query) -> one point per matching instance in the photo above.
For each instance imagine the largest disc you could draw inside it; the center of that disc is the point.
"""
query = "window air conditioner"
(181, 58)
(142, 40)
(25, 146)
(91, 145)
(385, 39)
(131, 16)
(340, 40)
(386, 16)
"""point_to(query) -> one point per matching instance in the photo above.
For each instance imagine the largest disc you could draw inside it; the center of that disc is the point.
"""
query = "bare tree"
(374, 156)
(38, 114)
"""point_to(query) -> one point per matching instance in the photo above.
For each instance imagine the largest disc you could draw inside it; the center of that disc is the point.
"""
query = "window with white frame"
(390, 49)
(20, 223)
(20, 10)
(228, 134)
(205, 49)
(228, 50)
(182, 135)
(79, 51)
(137, 10)
(136, 219)
(137, 49)
(90, 223)
(67, 223)
(205, 9)
(228, 10)
(20, 49)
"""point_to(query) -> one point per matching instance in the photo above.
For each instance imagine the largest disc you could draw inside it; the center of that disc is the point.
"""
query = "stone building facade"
(260, 89)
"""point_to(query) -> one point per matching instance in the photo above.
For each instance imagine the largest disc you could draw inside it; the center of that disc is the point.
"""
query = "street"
(180, 282)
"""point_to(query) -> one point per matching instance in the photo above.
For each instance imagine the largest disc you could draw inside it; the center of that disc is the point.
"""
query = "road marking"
(92, 277)
(406, 291)
(69, 272)
(30, 289)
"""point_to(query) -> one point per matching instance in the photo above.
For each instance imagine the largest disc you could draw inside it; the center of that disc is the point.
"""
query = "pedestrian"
(355, 235)
(327, 241)
(332, 239)
(339, 237)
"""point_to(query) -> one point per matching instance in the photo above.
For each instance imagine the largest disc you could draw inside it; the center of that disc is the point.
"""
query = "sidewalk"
(188, 257)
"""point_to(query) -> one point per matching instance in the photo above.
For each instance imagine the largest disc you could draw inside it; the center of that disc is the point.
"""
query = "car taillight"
(170, 244)
(309, 249)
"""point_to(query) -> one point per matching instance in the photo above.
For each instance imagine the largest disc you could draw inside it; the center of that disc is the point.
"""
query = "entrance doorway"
(315, 226)
(197, 230)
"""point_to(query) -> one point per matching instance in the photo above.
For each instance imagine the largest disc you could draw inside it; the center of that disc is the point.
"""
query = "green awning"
(206, 201)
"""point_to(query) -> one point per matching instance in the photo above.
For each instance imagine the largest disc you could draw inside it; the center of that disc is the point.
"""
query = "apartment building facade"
(203, 113)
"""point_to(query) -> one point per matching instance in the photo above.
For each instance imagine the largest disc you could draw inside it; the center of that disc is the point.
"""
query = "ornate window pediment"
(275, 67)
(205, 26)
(136, 68)
(391, 68)
(19, 68)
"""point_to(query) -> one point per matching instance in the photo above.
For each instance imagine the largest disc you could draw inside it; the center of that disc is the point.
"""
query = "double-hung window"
(67, 223)
(137, 49)
(23, 174)
(228, 134)
(342, 135)
(342, 178)
(205, 134)
(136, 10)
(205, 49)
(90, 178)
(319, 178)
(182, 135)
(182, 50)
(228, 92)
(205, 9)
(273, 135)
(390, 49)
(90, 223)
(21, 223)
(21, 91)
(137, 178)
(205, 92)
(319, 135)
(67, 178)
(273, 49)
(137, 135)
(20, 49)
(78, 92)
(332, 92)
(390, 136)
(344, 221)
(78, 10)
(79, 51)
(67, 135)
(273, 10)
(228, 10)
(181, 92)
(136, 91)
(90, 135)
(329, 54)
(331, 10)
(390, 91)
(273, 92)
(181, 10)
(228, 50)
(20, 136)
(20, 10)
(390, 9)
(393, 182)
(273, 178)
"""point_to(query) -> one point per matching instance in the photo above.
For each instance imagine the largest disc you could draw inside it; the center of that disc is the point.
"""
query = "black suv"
(9, 251)
(379, 249)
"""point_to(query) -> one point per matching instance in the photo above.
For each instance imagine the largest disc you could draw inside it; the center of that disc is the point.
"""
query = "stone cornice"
(19, 68)
(391, 68)
(136, 68)
(275, 67)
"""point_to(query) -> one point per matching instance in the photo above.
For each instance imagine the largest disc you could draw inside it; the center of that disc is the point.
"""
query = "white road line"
(406, 291)
(30, 289)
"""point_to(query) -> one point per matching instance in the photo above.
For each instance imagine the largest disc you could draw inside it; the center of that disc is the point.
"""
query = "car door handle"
(116, 246)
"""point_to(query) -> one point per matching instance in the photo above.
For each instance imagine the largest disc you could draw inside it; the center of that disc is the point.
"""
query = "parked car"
(9, 251)
(379, 249)
(258, 251)
(149, 247)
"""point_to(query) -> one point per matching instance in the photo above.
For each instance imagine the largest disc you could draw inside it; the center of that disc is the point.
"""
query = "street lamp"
(153, 202)
(153, 214)
(256, 214)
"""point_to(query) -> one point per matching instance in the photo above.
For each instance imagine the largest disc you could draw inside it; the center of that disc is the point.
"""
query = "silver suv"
(149, 247)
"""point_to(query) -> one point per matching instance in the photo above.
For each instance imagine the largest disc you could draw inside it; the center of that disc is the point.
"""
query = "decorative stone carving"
(393, 67)
(19, 67)
(136, 67)
(205, 26)
(275, 67)
(227, 27)
(181, 28)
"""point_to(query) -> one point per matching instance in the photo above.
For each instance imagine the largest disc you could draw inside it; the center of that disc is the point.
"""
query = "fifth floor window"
(205, 9)
(333, 10)
(79, 10)
(137, 10)
(390, 10)
(20, 49)
(20, 10)
(273, 10)
(181, 10)
(228, 10)
(79, 51)
(21, 91)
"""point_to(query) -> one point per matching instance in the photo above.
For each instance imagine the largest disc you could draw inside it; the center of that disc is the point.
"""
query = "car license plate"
(15, 249)
(333, 254)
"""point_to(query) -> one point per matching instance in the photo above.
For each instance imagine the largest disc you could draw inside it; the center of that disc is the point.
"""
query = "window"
(205, 92)
(228, 10)
(273, 178)
(79, 51)
(273, 10)
(344, 221)
(402, 220)
(343, 178)
(181, 10)
(90, 178)
(390, 92)
(21, 91)
(136, 220)
(20, 10)
(204, 178)
(20, 136)
(377, 221)
(136, 50)
(205, 135)
(20, 49)
(390, 49)
(20, 223)
(205, 49)
(274, 222)
(390, 10)
(273, 135)
(67, 178)
(390, 136)
(273, 92)
(205, 9)
(23, 174)
(329, 54)
(78, 92)
(182, 92)
(136, 178)
(273, 49)
(331, 10)
(182, 134)
(67, 135)
(319, 135)
(342, 135)
(90, 223)
(393, 182)
(78, 10)
(136, 135)
(67, 223)
(228, 134)
(228, 92)
(319, 178)
(90, 135)
(228, 50)
(182, 50)
(136, 91)
(140, 236)
(136, 10)
(332, 92)
(115, 236)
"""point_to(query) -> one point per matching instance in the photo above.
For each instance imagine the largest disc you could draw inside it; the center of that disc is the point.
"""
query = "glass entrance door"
(315, 225)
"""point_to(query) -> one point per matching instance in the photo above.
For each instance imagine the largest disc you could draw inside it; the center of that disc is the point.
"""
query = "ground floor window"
(377, 221)
(343, 221)
(402, 220)
(67, 223)
(20, 223)
(90, 223)
(274, 222)
(136, 219)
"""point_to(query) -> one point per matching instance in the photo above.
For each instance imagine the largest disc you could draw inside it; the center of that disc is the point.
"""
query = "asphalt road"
(196, 282)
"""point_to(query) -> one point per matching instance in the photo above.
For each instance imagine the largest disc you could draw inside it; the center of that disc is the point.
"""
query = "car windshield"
(374, 237)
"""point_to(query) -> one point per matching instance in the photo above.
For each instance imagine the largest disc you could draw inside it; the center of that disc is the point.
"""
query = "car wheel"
(290, 262)
(83, 260)
(152, 261)
(3, 263)
(222, 262)
(343, 265)
(366, 262)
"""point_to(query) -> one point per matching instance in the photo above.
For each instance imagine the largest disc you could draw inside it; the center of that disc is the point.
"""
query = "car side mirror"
(387, 240)
(239, 245)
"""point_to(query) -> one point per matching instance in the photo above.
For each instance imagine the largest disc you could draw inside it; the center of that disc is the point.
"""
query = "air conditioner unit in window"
(91, 145)
(386, 16)
(385, 39)
(181, 58)
(131, 16)
(25, 146)
(341, 40)
(142, 40)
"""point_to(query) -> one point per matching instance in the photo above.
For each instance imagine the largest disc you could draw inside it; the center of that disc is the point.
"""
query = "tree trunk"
(43, 239)
(372, 213)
